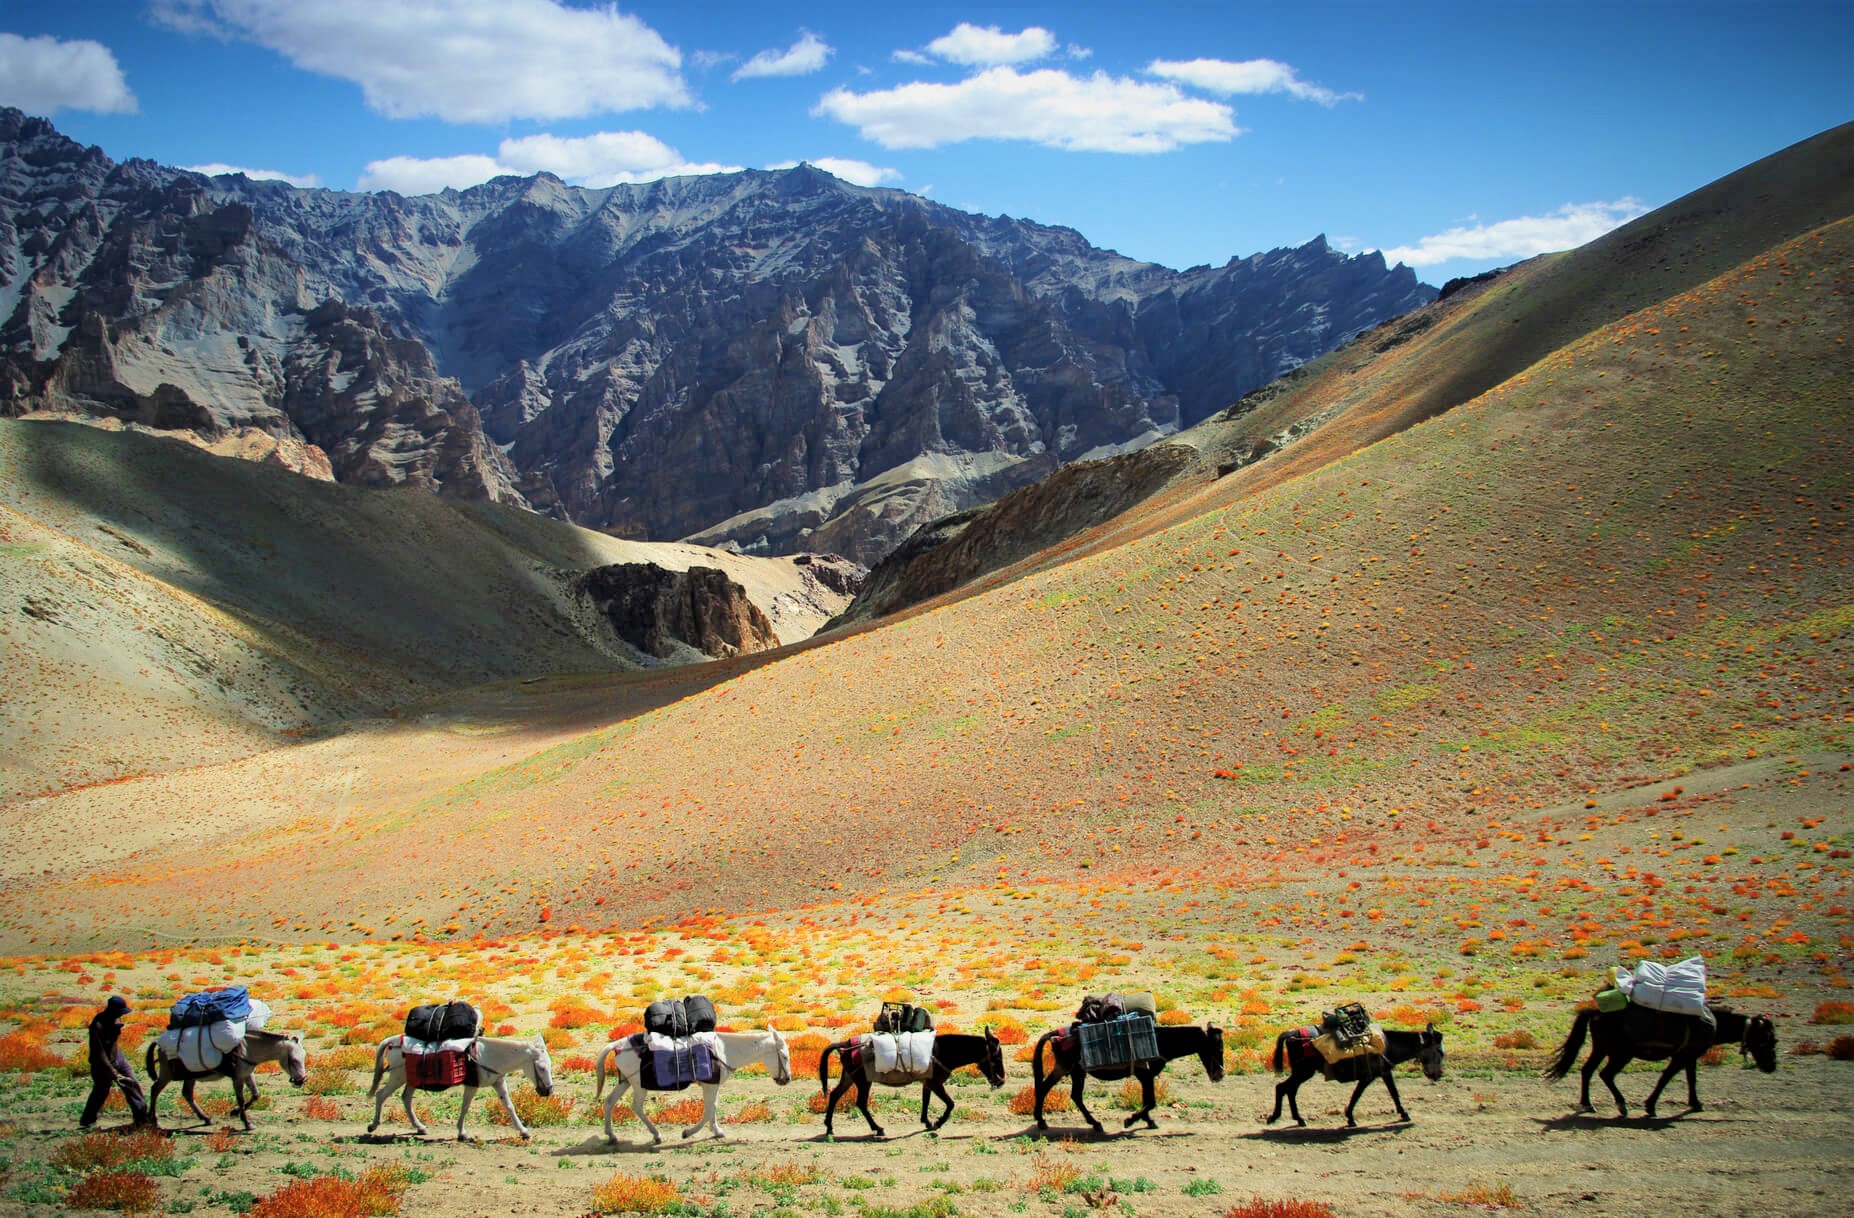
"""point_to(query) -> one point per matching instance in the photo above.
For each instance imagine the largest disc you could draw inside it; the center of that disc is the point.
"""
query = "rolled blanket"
(200, 1049)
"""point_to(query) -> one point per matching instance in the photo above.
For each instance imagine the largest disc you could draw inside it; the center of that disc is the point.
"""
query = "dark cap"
(117, 1005)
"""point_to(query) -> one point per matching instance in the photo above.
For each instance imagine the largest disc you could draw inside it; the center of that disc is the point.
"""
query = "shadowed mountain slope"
(165, 607)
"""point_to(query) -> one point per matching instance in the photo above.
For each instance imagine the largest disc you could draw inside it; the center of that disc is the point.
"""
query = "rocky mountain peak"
(777, 360)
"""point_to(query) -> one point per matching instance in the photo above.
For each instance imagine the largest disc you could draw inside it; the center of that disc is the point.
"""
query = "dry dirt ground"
(1772, 1144)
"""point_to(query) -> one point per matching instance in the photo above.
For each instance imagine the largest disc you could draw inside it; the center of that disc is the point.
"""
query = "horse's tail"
(379, 1065)
(1278, 1062)
(1573, 1044)
(824, 1065)
(1036, 1058)
(149, 1060)
(598, 1089)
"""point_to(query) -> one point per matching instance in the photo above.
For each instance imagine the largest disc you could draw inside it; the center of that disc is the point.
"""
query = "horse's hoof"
(1300, 1124)
(1696, 1108)
(689, 1133)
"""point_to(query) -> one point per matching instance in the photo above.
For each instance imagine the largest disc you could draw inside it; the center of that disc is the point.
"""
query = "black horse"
(1680, 1040)
(1173, 1043)
(951, 1051)
(1424, 1046)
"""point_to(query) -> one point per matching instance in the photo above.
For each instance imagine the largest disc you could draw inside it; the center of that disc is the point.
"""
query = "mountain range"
(775, 361)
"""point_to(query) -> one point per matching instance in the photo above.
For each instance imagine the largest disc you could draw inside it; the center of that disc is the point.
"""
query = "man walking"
(108, 1067)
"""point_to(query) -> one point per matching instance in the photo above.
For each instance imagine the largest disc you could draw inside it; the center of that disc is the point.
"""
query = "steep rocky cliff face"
(776, 360)
(662, 612)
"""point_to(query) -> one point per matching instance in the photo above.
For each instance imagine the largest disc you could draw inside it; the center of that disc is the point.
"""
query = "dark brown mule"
(1424, 1046)
(259, 1047)
(1173, 1042)
(1680, 1040)
(950, 1052)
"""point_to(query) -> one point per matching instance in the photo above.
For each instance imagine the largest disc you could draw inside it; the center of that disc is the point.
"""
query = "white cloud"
(914, 57)
(802, 58)
(857, 173)
(1076, 51)
(464, 61)
(595, 161)
(427, 175)
(44, 75)
(217, 168)
(1569, 226)
(1248, 76)
(1099, 113)
(988, 45)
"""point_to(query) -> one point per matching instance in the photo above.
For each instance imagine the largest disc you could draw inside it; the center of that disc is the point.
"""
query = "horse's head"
(992, 1064)
(782, 1059)
(1211, 1054)
(295, 1060)
(1429, 1053)
(1761, 1043)
(541, 1066)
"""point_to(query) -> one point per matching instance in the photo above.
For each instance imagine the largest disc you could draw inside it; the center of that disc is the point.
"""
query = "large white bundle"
(1678, 989)
(201, 1049)
(656, 1042)
(260, 1015)
(713, 1042)
(408, 1045)
(906, 1052)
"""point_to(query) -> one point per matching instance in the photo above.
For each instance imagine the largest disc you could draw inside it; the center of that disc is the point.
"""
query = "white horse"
(496, 1059)
(736, 1050)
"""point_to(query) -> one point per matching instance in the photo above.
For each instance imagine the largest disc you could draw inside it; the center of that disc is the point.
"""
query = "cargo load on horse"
(1115, 1030)
(439, 1045)
(1344, 1032)
(677, 1047)
(205, 1028)
(1672, 989)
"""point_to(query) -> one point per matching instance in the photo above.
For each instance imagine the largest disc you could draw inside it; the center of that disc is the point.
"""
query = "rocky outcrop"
(664, 613)
(776, 360)
(958, 549)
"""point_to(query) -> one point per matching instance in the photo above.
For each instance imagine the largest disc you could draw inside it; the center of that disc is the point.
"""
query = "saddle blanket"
(672, 1063)
(1677, 989)
(201, 1049)
(909, 1054)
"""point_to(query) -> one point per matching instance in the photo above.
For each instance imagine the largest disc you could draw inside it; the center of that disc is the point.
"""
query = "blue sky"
(1453, 136)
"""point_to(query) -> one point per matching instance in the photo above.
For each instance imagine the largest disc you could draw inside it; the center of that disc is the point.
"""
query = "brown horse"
(1680, 1040)
(950, 1052)
(1424, 1046)
(259, 1047)
(1173, 1042)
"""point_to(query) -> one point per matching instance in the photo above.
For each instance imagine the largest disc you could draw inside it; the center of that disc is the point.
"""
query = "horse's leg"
(1077, 1081)
(154, 1095)
(1390, 1085)
(379, 1103)
(1357, 1091)
(1148, 1101)
(1046, 1084)
(926, 1098)
(1693, 1103)
(708, 1112)
(1675, 1064)
(639, 1097)
(862, 1104)
(186, 1093)
(938, 1087)
(462, 1111)
(508, 1106)
(1617, 1060)
(1583, 1100)
(837, 1093)
(611, 1105)
(405, 1096)
(240, 1080)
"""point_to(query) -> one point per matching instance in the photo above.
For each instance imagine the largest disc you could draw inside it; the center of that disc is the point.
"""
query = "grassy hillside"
(1626, 562)
(170, 608)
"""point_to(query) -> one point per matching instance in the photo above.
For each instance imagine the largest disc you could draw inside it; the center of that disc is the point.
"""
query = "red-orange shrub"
(1833, 1012)
(128, 1191)
(376, 1194)
(1024, 1102)
(23, 1051)
(1262, 1207)
(1841, 1049)
(628, 1194)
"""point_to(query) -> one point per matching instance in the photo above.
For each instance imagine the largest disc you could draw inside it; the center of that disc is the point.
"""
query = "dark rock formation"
(774, 359)
(659, 611)
(958, 549)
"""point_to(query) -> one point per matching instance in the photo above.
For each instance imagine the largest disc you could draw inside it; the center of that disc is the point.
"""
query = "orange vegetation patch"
(628, 1194)
(95, 1151)
(129, 1192)
(376, 1194)
(1262, 1207)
